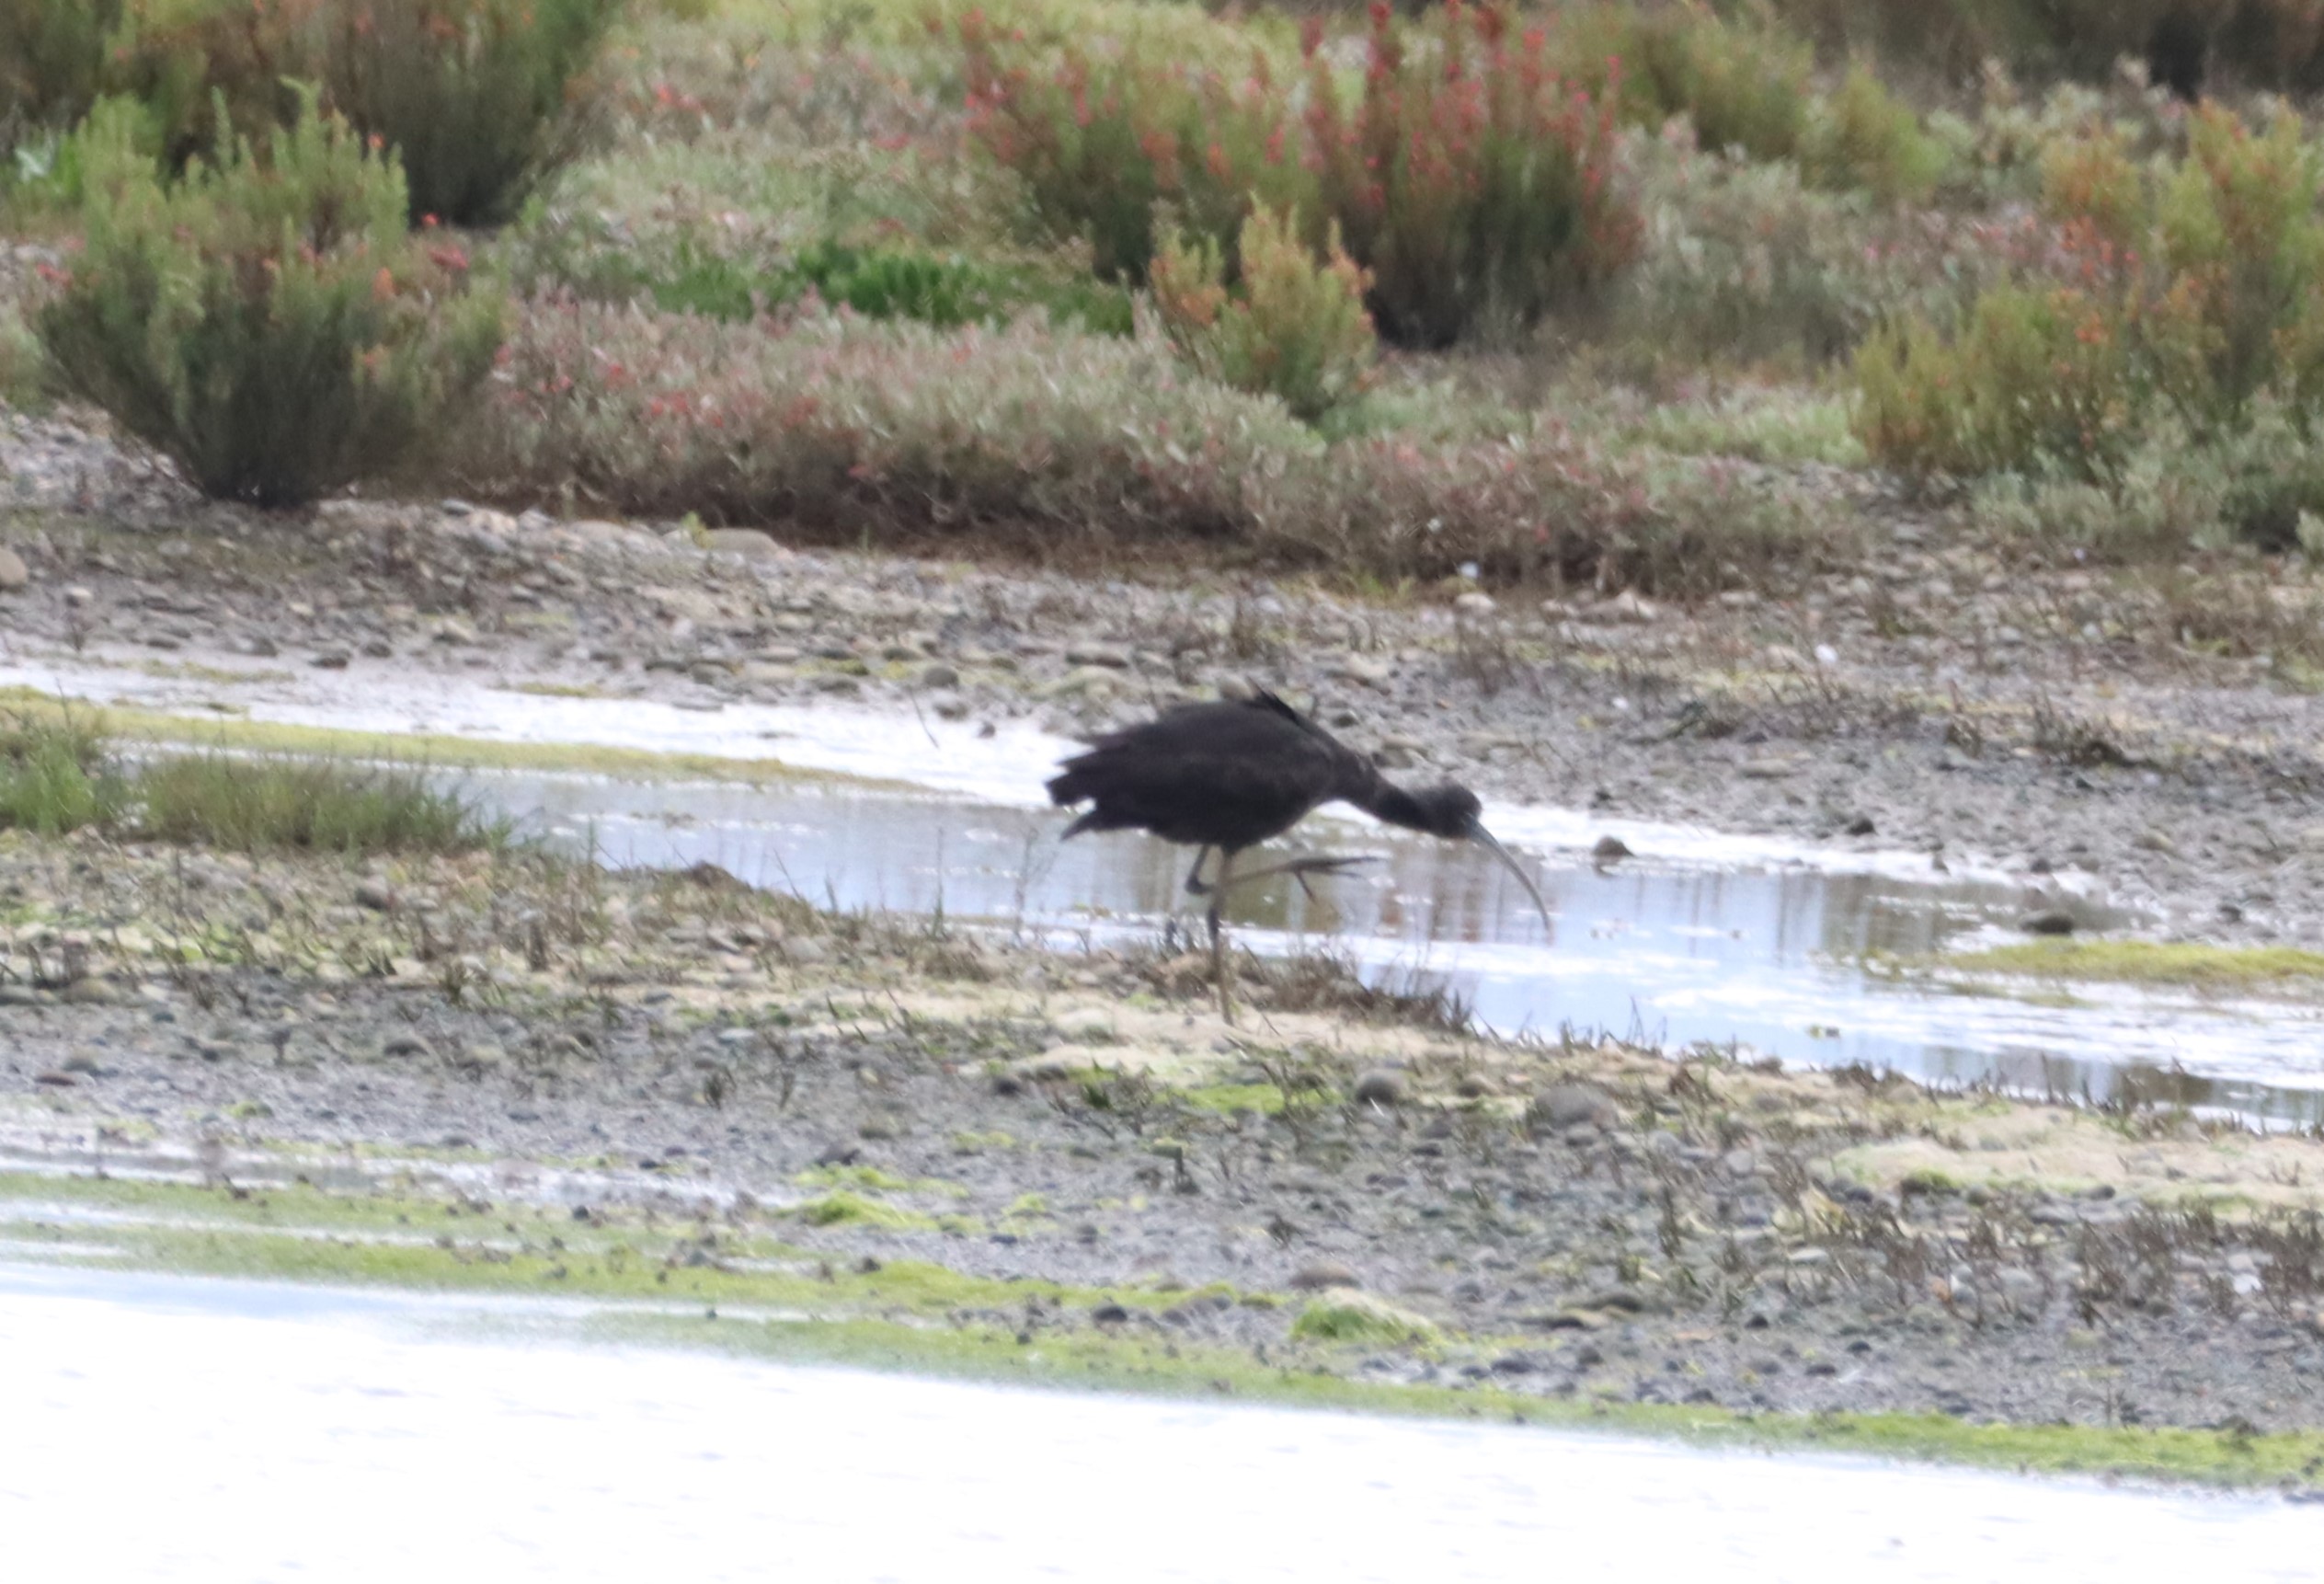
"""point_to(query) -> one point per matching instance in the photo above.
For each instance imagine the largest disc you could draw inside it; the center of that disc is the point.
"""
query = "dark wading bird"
(1232, 775)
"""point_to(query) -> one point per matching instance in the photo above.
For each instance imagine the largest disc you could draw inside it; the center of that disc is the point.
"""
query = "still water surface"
(1780, 956)
(191, 1430)
(1706, 936)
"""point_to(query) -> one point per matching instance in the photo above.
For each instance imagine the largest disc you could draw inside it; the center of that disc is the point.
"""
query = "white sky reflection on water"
(192, 1430)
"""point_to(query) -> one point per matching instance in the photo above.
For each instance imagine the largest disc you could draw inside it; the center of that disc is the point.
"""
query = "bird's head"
(1450, 810)
(1453, 811)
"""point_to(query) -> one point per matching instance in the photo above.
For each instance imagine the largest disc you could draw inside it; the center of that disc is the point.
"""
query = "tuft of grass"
(24, 374)
(54, 775)
(2188, 963)
(267, 805)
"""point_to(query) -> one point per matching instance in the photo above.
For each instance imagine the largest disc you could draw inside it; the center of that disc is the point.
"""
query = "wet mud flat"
(2191, 790)
(538, 1073)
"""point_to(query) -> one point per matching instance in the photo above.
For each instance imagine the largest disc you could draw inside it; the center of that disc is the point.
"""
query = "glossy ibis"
(1233, 773)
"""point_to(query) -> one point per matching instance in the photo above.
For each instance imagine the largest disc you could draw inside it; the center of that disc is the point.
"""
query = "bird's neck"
(1389, 803)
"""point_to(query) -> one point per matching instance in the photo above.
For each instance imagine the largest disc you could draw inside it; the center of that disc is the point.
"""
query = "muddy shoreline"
(1336, 1187)
(730, 1080)
(2187, 788)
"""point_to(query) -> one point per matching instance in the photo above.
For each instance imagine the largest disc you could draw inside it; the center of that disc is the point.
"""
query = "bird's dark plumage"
(1233, 773)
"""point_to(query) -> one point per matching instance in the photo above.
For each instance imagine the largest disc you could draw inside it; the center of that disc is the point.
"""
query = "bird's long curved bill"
(1484, 839)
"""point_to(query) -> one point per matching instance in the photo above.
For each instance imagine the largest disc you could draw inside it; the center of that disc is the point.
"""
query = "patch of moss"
(1344, 1315)
(871, 1179)
(847, 1209)
(1227, 1098)
(2191, 964)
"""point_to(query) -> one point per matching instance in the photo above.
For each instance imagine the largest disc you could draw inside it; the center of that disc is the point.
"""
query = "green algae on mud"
(908, 1316)
(2185, 964)
(239, 734)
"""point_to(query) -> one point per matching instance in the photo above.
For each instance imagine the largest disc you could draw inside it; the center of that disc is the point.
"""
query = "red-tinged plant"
(2091, 177)
(1103, 137)
(2238, 238)
(2192, 291)
(2040, 375)
(840, 428)
(1467, 178)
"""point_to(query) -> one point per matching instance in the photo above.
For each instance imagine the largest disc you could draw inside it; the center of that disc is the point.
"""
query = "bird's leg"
(1222, 961)
(1300, 868)
(1196, 885)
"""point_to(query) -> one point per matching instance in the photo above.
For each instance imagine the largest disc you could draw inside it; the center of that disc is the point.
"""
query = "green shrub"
(1741, 85)
(2241, 249)
(2040, 375)
(52, 56)
(263, 805)
(945, 290)
(203, 70)
(1474, 185)
(477, 98)
(2192, 298)
(1292, 328)
(55, 776)
(24, 377)
(272, 326)
(1863, 136)
(2261, 485)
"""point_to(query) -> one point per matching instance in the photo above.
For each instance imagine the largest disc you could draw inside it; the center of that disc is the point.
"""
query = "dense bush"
(2040, 375)
(1471, 181)
(1741, 86)
(848, 426)
(2202, 286)
(1474, 184)
(203, 70)
(1291, 328)
(1745, 263)
(479, 98)
(268, 324)
(1863, 136)
(52, 56)
(1102, 136)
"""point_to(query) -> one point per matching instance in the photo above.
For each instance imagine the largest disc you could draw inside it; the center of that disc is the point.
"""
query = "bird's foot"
(1301, 870)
